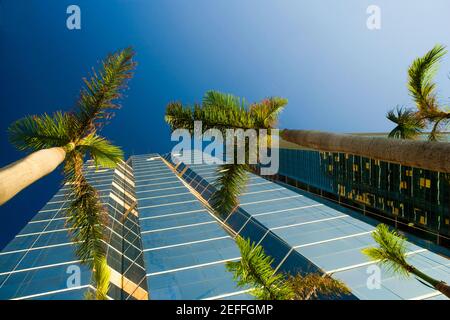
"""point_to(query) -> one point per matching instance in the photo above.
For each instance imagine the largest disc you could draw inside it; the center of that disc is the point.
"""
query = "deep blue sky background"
(337, 74)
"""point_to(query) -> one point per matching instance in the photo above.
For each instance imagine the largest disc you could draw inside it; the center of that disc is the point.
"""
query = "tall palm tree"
(391, 252)
(225, 111)
(255, 271)
(422, 89)
(68, 137)
(55, 138)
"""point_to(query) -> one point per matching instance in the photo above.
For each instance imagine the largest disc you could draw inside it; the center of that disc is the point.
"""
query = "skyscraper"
(164, 242)
(40, 262)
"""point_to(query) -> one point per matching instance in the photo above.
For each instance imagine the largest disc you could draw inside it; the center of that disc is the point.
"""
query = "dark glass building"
(412, 199)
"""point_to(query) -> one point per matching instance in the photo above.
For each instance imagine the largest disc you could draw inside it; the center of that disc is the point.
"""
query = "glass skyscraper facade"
(184, 247)
(40, 262)
(414, 199)
(164, 241)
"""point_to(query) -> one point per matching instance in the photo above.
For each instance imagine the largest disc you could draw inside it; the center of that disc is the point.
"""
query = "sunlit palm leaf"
(101, 150)
(420, 82)
(101, 277)
(40, 132)
(266, 112)
(224, 111)
(103, 90)
(254, 270)
(391, 250)
(215, 99)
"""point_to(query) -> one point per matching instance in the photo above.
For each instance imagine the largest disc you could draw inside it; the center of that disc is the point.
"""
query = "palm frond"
(224, 118)
(225, 111)
(230, 183)
(254, 270)
(103, 89)
(268, 111)
(440, 120)
(101, 276)
(179, 116)
(218, 110)
(86, 217)
(391, 250)
(420, 79)
(315, 285)
(409, 124)
(435, 131)
(215, 99)
(101, 150)
(40, 132)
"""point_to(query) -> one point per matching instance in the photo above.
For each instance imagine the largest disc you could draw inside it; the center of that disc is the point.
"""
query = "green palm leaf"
(101, 151)
(215, 99)
(254, 270)
(40, 132)
(102, 275)
(439, 119)
(179, 116)
(409, 124)
(101, 278)
(420, 79)
(314, 285)
(218, 110)
(103, 90)
(225, 111)
(86, 216)
(230, 183)
(391, 250)
(268, 111)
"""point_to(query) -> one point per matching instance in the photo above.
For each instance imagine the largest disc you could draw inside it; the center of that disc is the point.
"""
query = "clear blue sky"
(337, 74)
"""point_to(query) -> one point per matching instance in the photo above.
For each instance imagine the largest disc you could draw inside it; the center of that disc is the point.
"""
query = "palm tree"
(68, 137)
(423, 91)
(53, 139)
(255, 270)
(409, 125)
(225, 111)
(391, 252)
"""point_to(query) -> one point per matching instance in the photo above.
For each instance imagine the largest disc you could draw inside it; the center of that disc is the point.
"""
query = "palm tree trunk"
(438, 285)
(421, 154)
(20, 174)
